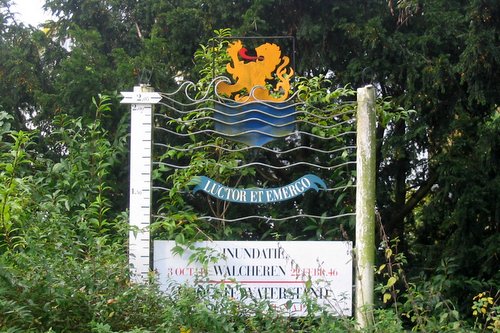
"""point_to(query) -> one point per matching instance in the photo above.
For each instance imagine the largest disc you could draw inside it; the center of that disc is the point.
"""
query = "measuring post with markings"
(142, 101)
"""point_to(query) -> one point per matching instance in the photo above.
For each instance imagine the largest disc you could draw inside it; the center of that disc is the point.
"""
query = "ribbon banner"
(258, 195)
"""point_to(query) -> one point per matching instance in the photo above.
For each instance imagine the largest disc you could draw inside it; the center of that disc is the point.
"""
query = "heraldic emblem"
(255, 107)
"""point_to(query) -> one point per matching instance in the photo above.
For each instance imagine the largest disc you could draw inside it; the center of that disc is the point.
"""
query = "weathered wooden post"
(365, 206)
(142, 99)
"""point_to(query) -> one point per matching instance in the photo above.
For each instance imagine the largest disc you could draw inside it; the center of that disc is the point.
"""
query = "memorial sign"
(283, 273)
(256, 114)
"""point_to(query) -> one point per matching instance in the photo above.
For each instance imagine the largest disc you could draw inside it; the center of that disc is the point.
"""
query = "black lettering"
(218, 270)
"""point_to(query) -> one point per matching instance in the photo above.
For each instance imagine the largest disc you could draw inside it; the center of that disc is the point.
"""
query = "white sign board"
(283, 273)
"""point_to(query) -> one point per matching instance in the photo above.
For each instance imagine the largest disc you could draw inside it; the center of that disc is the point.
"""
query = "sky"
(30, 11)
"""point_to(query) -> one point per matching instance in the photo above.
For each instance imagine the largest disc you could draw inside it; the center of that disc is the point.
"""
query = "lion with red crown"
(252, 73)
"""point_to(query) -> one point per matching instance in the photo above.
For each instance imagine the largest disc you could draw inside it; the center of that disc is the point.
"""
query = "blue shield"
(255, 123)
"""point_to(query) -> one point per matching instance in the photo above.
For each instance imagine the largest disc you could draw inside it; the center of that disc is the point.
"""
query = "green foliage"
(211, 58)
(14, 191)
(487, 311)
(438, 184)
(424, 304)
(72, 273)
(66, 285)
(63, 261)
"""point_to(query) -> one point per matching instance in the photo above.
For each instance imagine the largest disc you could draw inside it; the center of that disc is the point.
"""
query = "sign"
(283, 273)
(258, 195)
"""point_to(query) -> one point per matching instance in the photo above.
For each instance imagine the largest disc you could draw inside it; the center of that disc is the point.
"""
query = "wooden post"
(142, 100)
(365, 206)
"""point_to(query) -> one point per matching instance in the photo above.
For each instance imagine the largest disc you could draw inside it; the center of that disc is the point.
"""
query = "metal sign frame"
(142, 101)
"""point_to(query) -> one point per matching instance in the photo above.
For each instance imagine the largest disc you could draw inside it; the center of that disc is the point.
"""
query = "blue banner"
(258, 195)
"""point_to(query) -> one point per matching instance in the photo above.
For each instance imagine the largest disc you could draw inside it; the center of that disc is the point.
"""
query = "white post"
(142, 100)
(365, 205)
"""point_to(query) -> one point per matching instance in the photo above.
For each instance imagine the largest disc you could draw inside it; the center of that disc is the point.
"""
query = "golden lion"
(250, 77)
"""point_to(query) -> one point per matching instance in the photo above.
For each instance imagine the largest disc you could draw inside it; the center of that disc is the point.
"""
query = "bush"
(64, 265)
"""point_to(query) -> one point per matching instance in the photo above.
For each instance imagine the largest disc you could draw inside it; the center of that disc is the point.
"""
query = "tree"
(437, 166)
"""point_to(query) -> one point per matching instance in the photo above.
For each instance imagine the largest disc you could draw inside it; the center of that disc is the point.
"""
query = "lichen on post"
(365, 206)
